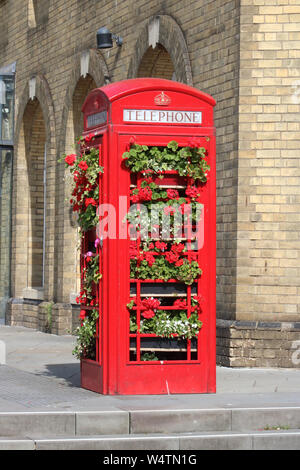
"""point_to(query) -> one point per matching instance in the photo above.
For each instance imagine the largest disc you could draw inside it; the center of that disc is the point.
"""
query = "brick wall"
(268, 254)
(5, 209)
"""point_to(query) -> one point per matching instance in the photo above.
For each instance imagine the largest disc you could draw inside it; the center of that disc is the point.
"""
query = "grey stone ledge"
(257, 325)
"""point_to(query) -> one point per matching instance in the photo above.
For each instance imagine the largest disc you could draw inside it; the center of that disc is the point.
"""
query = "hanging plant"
(86, 337)
(85, 170)
(187, 161)
(171, 323)
(165, 260)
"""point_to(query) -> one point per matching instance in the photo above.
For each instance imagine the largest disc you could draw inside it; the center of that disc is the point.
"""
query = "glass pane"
(5, 227)
(6, 108)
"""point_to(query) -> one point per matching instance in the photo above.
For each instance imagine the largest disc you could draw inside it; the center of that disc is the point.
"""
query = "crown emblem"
(162, 99)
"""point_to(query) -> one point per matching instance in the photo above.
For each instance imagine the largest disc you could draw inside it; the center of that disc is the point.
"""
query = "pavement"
(41, 372)
(43, 406)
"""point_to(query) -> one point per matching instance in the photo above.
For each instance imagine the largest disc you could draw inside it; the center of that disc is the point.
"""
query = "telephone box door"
(146, 362)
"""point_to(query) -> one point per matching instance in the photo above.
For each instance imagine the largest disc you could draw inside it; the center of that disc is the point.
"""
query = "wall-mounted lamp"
(105, 39)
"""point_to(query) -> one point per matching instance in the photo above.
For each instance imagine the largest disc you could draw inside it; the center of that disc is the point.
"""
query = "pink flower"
(169, 210)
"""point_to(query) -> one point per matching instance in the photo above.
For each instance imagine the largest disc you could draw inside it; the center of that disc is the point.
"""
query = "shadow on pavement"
(70, 373)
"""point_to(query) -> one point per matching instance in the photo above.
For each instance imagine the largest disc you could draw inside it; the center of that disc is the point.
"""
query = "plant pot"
(165, 349)
(164, 289)
(91, 375)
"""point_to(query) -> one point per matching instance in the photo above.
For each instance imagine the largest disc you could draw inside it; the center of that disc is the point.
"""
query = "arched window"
(157, 63)
(31, 201)
(69, 270)
(38, 11)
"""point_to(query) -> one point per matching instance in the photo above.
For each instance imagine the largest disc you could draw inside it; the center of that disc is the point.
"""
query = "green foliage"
(164, 270)
(85, 170)
(188, 161)
(86, 337)
(171, 323)
(149, 356)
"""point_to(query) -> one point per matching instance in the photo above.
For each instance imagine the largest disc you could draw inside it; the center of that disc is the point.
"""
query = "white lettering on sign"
(163, 116)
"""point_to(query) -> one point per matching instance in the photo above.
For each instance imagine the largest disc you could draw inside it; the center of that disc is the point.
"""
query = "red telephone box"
(156, 297)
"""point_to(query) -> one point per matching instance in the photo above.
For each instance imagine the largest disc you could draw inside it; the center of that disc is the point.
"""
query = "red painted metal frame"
(119, 375)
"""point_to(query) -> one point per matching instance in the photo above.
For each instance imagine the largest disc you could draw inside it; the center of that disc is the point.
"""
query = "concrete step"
(127, 422)
(256, 440)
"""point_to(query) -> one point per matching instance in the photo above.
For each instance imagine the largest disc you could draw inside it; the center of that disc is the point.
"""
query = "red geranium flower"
(180, 303)
(82, 314)
(150, 304)
(149, 258)
(145, 194)
(148, 314)
(179, 263)
(192, 191)
(134, 198)
(70, 159)
(133, 251)
(90, 200)
(161, 246)
(172, 257)
(177, 248)
(172, 194)
(89, 137)
(83, 165)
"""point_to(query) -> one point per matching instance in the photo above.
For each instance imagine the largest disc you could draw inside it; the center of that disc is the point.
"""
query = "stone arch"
(89, 63)
(162, 31)
(156, 62)
(32, 234)
(89, 72)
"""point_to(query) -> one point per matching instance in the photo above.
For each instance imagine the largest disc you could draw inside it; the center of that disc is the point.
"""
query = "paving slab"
(278, 440)
(41, 374)
(16, 444)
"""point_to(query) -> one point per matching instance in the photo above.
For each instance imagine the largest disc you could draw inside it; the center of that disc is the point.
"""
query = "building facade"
(246, 54)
